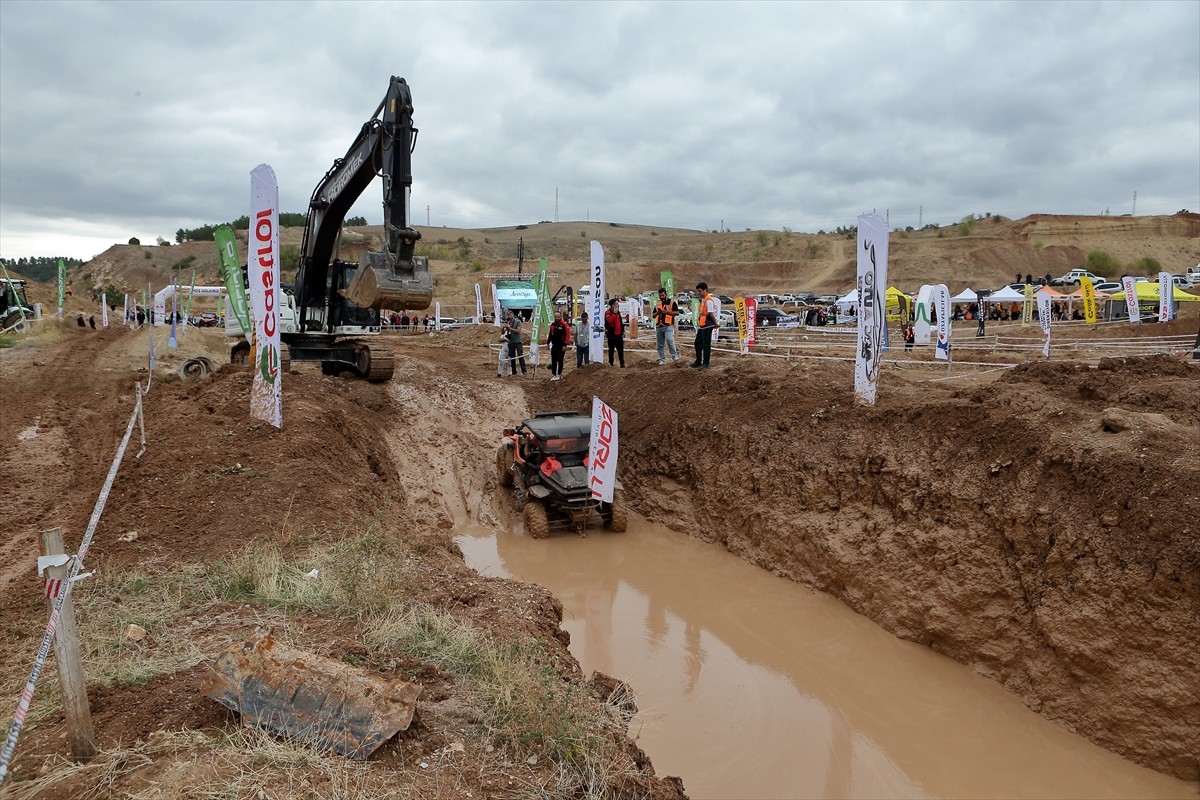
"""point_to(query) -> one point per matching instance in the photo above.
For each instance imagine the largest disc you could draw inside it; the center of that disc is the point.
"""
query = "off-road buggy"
(545, 459)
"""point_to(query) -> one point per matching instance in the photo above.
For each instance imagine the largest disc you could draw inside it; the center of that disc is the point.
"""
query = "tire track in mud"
(442, 444)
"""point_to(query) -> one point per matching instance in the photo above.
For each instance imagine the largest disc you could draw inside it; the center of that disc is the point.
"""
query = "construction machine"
(337, 301)
(15, 311)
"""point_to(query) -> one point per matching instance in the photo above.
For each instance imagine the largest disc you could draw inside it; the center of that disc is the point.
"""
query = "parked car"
(826, 300)
(207, 319)
(455, 324)
(1073, 277)
(1108, 287)
(1180, 281)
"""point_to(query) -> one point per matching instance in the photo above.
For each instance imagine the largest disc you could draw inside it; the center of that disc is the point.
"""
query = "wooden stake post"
(80, 734)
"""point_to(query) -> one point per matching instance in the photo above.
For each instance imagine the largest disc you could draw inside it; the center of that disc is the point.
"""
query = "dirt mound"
(1016, 524)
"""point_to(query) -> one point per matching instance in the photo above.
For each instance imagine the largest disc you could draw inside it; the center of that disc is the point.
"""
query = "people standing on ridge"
(614, 331)
(583, 341)
(558, 339)
(666, 311)
(705, 326)
(516, 352)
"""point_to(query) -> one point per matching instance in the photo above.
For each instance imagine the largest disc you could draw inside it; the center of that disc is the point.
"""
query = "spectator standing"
(516, 352)
(705, 326)
(558, 339)
(583, 341)
(910, 336)
(614, 331)
(666, 312)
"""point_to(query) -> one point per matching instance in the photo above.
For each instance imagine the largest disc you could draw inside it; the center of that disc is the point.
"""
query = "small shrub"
(1038, 245)
(476, 265)
(654, 233)
(762, 237)
(135, 241)
(145, 254)
(708, 248)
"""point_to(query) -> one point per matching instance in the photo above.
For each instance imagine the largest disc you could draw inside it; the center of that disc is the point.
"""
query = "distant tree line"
(40, 268)
(287, 219)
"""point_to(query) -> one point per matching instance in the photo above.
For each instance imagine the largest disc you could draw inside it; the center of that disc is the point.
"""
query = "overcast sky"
(137, 119)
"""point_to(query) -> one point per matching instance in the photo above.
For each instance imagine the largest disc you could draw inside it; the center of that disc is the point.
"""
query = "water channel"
(751, 686)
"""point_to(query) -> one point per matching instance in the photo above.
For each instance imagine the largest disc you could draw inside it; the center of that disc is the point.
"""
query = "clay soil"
(1037, 523)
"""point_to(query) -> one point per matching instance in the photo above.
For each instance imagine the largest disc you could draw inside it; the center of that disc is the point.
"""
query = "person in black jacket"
(558, 339)
(614, 331)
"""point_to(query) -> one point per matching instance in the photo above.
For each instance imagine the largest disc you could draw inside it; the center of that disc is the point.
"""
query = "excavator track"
(375, 363)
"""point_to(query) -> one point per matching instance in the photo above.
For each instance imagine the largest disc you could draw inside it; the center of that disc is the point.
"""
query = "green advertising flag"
(543, 312)
(234, 283)
(62, 285)
(666, 279)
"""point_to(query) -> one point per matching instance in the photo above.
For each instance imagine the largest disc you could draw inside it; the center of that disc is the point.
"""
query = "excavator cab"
(383, 280)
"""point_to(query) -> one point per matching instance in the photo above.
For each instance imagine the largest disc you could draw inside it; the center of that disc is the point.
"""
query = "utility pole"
(426, 216)
(920, 217)
(556, 204)
(1134, 212)
(520, 254)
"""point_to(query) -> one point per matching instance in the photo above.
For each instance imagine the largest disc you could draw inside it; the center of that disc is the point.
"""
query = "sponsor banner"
(62, 285)
(788, 322)
(541, 316)
(1166, 297)
(150, 327)
(941, 306)
(187, 307)
(1131, 302)
(1044, 317)
(602, 451)
(1088, 290)
(103, 310)
(172, 342)
(752, 321)
(128, 321)
(922, 316)
(437, 315)
(596, 304)
(666, 279)
(496, 311)
(1027, 306)
(478, 306)
(266, 396)
(872, 280)
(739, 313)
(982, 311)
(231, 270)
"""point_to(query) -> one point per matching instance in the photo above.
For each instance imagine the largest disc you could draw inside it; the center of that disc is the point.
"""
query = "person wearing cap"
(705, 326)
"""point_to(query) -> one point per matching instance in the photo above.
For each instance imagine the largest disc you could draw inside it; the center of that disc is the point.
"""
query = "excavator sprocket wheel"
(375, 363)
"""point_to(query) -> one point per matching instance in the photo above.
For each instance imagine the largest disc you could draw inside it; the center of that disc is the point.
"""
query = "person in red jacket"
(614, 331)
(558, 339)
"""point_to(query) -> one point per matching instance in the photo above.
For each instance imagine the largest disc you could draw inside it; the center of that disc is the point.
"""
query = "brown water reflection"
(751, 686)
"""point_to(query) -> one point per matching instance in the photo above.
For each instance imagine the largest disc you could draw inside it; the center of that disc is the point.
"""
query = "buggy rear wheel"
(537, 525)
(504, 466)
(617, 518)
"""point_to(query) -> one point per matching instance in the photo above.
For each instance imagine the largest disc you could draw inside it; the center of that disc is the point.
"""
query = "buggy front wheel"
(537, 525)
(617, 518)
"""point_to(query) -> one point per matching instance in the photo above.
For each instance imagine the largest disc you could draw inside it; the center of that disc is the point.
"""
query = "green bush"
(1146, 265)
(1103, 264)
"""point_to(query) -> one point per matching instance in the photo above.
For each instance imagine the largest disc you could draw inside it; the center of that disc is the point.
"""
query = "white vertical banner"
(266, 396)
(1131, 301)
(478, 306)
(1044, 314)
(128, 321)
(872, 283)
(596, 301)
(602, 451)
(923, 320)
(103, 309)
(1166, 297)
(437, 315)
(496, 311)
(941, 305)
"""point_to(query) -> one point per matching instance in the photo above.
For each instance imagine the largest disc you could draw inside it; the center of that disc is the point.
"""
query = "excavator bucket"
(383, 282)
(310, 698)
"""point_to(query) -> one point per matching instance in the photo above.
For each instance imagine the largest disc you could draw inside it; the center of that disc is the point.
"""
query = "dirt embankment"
(1040, 526)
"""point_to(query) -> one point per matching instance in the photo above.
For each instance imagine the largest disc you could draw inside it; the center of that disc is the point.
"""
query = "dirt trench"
(1039, 525)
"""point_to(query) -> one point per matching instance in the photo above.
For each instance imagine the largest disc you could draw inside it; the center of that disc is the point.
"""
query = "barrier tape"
(18, 722)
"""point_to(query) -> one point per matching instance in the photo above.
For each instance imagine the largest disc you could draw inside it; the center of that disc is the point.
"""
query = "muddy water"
(751, 686)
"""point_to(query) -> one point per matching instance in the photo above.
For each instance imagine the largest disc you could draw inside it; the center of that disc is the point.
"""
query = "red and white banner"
(872, 286)
(752, 320)
(941, 305)
(266, 395)
(1166, 297)
(1131, 300)
(602, 451)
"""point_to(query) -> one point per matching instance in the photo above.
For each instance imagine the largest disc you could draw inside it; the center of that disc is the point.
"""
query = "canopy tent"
(1149, 291)
(1078, 295)
(1005, 295)
(1053, 294)
(965, 296)
(895, 301)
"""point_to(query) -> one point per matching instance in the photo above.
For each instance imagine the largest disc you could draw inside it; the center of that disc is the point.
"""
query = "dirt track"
(1013, 520)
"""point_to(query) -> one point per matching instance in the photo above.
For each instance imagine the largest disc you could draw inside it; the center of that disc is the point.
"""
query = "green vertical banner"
(666, 279)
(187, 307)
(542, 312)
(231, 269)
(62, 285)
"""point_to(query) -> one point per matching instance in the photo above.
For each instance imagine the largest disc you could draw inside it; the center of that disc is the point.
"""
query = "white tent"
(850, 299)
(965, 296)
(1005, 295)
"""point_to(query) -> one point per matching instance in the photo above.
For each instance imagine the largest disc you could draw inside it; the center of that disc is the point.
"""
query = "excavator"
(336, 301)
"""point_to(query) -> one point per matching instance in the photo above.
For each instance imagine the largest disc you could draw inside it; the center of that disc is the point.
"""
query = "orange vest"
(664, 313)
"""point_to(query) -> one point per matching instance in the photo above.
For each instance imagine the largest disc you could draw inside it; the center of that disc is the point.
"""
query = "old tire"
(618, 514)
(504, 467)
(537, 525)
